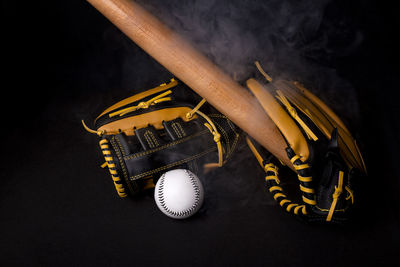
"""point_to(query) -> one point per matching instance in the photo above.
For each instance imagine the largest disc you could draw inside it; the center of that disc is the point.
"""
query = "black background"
(63, 62)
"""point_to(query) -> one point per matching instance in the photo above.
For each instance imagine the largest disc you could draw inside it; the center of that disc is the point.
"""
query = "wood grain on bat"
(195, 70)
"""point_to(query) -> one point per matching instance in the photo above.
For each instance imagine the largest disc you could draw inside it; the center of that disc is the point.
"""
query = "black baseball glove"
(161, 129)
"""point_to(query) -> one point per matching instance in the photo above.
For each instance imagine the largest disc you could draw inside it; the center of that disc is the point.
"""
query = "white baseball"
(179, 193)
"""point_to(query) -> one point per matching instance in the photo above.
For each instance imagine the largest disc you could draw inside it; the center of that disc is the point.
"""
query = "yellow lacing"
(266, 76)
(272, 177)
(351, 195)
(112, 167)
(274, 188)
(189, 115)
(99, 133)
(292, 111)
(144, 104)
(270, 167)
(335, 196)
(301, 166)
(306, 189)
(304, 179)
(296, 157)
(308, 201)
(217, 140)
(213, 129)
(277, 191)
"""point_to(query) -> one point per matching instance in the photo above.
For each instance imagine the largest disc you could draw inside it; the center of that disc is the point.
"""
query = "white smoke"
(291, 39)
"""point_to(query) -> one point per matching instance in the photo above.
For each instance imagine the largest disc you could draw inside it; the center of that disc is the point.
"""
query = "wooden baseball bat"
(195, 70)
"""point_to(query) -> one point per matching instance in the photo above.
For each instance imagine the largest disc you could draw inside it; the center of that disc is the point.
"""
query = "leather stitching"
(181, 128)
(120, 147)
(166, 146)
(138, 176)
(151, 140)
(174, 126)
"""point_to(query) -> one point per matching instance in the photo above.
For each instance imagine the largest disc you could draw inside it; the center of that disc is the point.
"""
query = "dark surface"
(66, 62)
